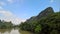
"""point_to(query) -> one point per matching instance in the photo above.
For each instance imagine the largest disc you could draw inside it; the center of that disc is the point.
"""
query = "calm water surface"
(13, 31)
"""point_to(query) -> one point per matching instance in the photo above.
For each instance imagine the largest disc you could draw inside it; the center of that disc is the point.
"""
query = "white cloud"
(2, 4)
(10, 1)
(8, 16)
(1, 7)
(51, 1)
(6, 13)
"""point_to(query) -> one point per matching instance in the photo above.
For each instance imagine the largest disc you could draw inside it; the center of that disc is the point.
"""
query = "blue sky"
(25, 9)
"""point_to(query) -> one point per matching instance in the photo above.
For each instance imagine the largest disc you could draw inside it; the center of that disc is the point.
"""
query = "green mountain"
(46, 22)
(44, 13)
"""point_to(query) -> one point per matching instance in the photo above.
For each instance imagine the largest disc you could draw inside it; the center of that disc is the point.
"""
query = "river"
(13, 31)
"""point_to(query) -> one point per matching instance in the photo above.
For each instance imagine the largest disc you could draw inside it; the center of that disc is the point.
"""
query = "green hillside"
(46, 22)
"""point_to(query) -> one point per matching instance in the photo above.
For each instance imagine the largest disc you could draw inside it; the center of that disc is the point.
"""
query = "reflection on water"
(9, 31)
(25, 32)
(13, 31)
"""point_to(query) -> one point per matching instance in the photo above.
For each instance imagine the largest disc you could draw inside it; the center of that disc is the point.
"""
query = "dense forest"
(5, 24)
(46, 22)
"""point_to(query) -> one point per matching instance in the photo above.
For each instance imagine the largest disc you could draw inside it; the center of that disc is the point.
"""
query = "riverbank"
(14, 31)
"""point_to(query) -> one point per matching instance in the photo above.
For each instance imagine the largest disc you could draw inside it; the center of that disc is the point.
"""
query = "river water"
(13, 31)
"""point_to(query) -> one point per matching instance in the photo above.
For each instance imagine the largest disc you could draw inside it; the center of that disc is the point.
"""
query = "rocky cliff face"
(44, 13)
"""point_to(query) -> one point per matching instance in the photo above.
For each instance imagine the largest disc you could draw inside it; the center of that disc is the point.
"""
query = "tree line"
(5, 25)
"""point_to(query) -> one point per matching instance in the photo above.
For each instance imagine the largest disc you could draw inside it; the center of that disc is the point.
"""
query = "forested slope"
(46, 22)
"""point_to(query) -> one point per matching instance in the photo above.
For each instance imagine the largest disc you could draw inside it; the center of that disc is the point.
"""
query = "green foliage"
(48, 24)
(51, 23)
(38, 28)
(5, 25)
(54, 32)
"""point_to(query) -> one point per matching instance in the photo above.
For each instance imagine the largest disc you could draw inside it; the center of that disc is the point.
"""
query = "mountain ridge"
(44, 13)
